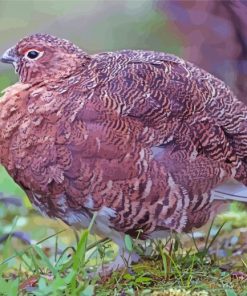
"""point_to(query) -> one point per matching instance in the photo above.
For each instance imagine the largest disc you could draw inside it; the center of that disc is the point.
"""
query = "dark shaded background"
(214, 36)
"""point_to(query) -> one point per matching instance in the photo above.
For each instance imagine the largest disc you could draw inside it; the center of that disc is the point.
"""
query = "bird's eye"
(33, 54)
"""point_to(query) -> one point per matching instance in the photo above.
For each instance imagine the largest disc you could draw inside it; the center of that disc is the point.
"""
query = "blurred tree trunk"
(214, 35)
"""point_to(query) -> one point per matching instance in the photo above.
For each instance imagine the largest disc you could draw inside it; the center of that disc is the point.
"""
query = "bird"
(144, 141)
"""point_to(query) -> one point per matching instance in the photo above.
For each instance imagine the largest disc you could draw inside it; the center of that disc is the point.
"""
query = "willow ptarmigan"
(144, 139)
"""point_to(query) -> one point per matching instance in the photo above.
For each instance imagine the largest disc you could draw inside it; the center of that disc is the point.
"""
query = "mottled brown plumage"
(142, 138)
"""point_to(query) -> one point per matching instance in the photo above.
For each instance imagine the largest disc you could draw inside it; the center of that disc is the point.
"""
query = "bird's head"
(42, 57)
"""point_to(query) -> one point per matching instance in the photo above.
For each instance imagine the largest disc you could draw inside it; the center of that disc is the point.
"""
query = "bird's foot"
(122, 261)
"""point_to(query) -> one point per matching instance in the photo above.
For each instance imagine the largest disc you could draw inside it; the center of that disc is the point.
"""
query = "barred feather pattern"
(142, 136)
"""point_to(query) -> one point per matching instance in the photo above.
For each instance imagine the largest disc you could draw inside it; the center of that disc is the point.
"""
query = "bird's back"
(177, 102)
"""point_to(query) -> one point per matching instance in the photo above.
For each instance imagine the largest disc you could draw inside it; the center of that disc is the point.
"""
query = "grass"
(58, 264)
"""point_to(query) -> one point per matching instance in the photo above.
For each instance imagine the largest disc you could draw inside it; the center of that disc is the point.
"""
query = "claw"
(122, 261)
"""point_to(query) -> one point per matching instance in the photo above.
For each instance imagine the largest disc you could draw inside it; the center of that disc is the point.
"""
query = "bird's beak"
(9, 56)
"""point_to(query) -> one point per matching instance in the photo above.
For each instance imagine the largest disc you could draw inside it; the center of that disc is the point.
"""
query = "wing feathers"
(231, 190)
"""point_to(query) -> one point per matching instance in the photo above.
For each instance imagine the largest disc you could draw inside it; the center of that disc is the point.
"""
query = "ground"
(45, 257)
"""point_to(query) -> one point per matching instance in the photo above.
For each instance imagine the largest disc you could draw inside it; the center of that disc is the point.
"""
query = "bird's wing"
(175, 102)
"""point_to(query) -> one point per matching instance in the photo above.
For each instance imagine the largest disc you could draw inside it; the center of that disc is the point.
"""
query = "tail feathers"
(231, 190)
